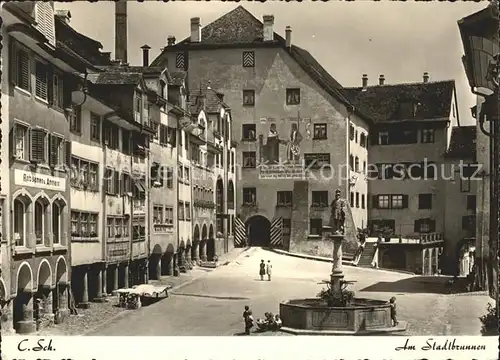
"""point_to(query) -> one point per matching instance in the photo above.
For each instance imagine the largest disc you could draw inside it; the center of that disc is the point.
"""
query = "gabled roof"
(240, 28)
(213, 100)
(115, 78)
(434, 100)
(462, 143)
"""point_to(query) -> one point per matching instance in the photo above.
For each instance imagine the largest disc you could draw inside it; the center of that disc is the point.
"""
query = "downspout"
(225, 219)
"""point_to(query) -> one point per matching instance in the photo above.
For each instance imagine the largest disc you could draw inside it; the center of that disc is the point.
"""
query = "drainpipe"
(225, 219)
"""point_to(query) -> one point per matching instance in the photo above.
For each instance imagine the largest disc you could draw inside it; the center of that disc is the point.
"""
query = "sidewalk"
(99, 314)
(344, 262)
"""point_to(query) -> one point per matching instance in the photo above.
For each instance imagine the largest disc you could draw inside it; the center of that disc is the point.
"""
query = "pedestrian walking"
(248, 322)
(245, 313)
(269, 270)
(262, 270)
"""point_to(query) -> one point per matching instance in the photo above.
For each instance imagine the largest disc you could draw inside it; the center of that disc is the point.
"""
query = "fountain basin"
(313, 317)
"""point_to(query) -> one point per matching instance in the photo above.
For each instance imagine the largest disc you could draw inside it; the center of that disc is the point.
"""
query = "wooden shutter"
(105, 183)
(67, 153)
(405, 201)
(54, 143)
(416, 227)
(173, 138)
(117, 181)
(37, 152)
(121, 182)
(375, 201)
(13, 63)
(12, 140)
(41, 80)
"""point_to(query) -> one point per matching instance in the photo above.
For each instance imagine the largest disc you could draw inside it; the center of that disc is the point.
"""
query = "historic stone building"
(407, 194)
(287, 113)
(37, 77)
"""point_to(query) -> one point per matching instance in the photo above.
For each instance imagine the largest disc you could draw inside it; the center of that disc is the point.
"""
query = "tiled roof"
(80, 44)
(462, 143)
(240, 27)
(115, 78)
(135, 69)
(213, 99)
(381, 102)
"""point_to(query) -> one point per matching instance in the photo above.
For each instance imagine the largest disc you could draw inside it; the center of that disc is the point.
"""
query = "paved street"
(213, 304)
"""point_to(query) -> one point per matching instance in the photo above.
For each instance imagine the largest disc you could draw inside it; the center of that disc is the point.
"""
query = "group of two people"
(270, 321)
(265, 269)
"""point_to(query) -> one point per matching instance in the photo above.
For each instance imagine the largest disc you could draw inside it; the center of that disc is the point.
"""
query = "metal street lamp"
(480, 38)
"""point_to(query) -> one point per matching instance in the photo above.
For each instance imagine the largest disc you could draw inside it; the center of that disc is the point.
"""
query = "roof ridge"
(399, 84)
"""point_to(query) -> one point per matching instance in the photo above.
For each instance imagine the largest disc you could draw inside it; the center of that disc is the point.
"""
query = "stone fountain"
(338, 312)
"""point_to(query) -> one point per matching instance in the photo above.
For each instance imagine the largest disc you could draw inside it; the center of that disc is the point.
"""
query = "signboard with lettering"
(42, 181)
(282, 172)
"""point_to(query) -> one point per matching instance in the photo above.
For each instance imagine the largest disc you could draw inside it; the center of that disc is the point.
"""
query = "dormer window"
(408, 109)
(383, 138)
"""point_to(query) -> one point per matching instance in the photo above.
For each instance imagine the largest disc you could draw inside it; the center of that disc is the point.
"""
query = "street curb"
(344, 262)
(176, 287)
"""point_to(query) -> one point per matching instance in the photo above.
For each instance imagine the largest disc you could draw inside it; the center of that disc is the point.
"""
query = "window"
(110, 224)
(95, 127)
(320, 198)
(41, 80)
(21, 141)
(351, 200)
(75, 120)
(84, 174)
(41, 222)
(20, 223)
(57, 91)
(364, 167)
(248, 59)
(316, 161)
(180, 173)
(180, 210)
(56, 148)
(471, 202)
(249, 97)
(249, 159)
(111, 133)
(284, 198)
(398, 202)
(319, 132)
(466, 173)
(157, 214)
(425, 201)
(427, 136)
(249, 196)
(383, 138)
(351, 132)
(362, 201)
(357, 199)
(188, 211)
(287, 227)
(169, 215)
(126, 184)
(179, 60)
(351, 162)
(382, 202)
(316, 227)
(424, 225)
(362, 140)
(356, 164)
(170, 177)
(186, 174)
(111, 181)
(21, 76)
(292, 96)
(38, 153)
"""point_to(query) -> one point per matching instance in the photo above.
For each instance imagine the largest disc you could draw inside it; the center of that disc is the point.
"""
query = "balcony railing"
(119, 250)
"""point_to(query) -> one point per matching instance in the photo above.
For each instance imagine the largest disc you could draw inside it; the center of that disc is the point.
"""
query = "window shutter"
(405, 201)
(416, 227)
(105, 183)
(41, 75)
(12, 140)
(374, 202)
(121, 182)
(117, 181)
(67, 153)
(13, 63)
(37, 145)
(174, 137)
(432, 225)
(54, 143)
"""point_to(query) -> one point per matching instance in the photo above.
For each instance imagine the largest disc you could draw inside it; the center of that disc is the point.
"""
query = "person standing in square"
(269, 270)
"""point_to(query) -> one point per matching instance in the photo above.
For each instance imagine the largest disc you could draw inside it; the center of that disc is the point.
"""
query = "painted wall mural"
(279, 149)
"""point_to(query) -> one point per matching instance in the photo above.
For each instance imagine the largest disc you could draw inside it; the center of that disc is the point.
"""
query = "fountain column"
(337, 273)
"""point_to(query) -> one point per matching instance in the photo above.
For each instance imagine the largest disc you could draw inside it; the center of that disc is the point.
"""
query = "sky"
(401, 40)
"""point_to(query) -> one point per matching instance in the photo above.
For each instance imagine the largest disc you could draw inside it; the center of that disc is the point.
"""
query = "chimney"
(426, 77)
(121, 31)
(381, 79)
(145, 55)
(64, 15)
(170, 40)
(288, 32)
(365, 81)
(195, 29)
(268, 27)
(107, 56)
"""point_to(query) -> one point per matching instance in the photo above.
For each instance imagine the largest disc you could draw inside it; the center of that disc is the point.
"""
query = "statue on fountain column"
(337, 215)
